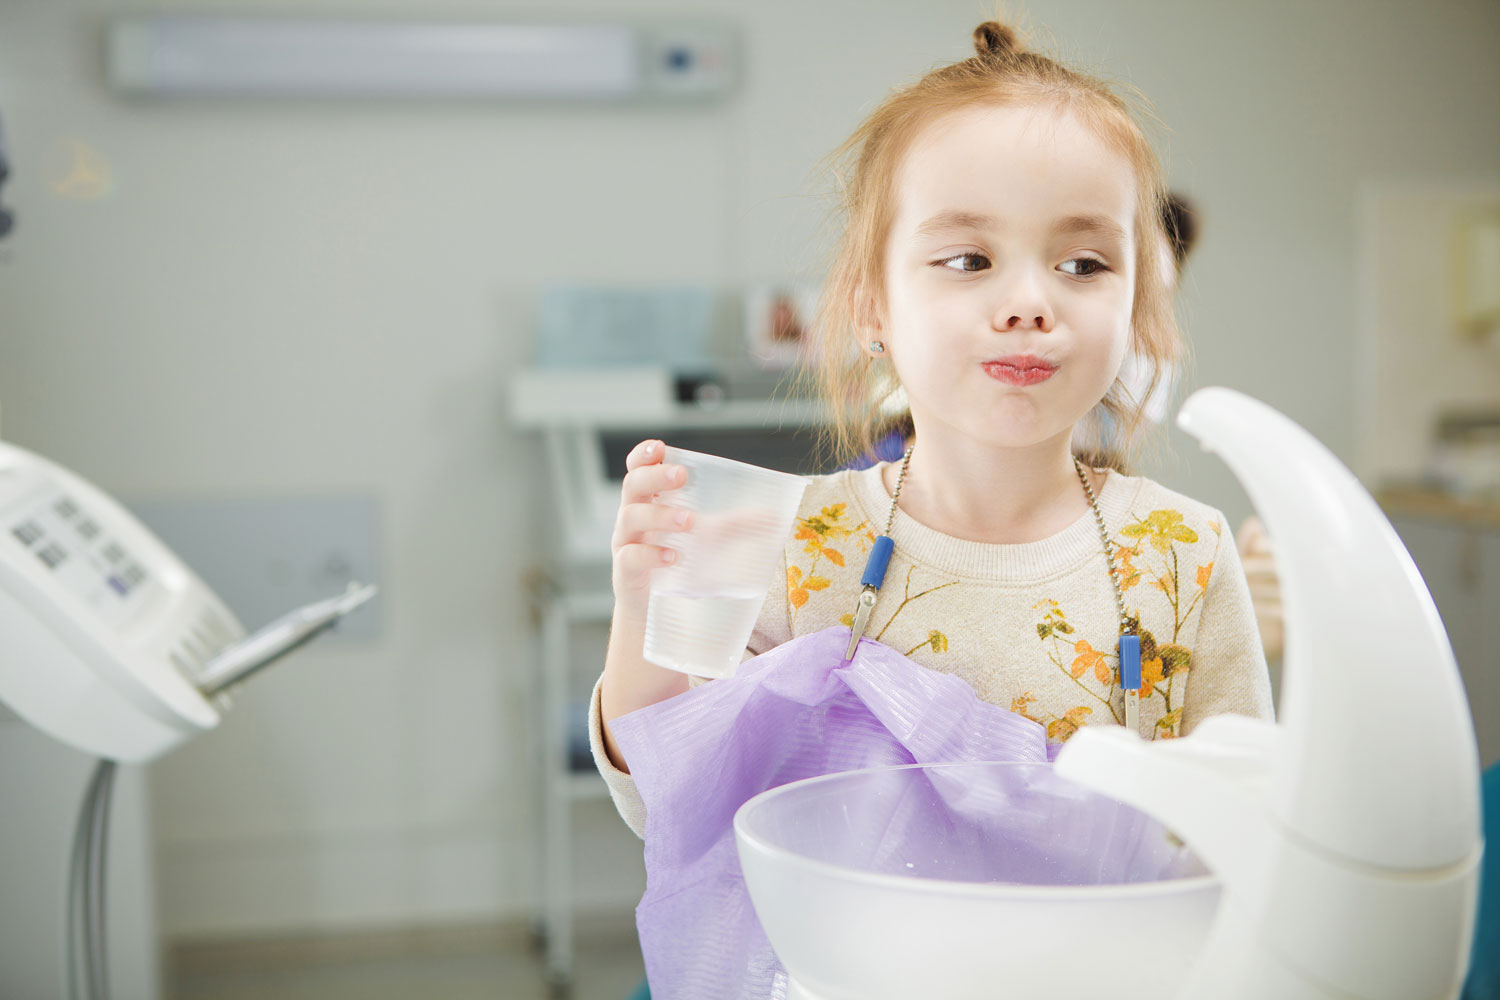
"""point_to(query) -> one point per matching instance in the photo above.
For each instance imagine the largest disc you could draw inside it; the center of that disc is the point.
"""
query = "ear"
(868, 324)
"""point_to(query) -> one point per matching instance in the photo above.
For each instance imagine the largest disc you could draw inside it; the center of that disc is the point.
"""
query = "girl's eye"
(983, 262)
(1086, 266)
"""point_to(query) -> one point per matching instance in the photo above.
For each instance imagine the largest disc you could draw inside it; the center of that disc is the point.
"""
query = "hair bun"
(993, 40)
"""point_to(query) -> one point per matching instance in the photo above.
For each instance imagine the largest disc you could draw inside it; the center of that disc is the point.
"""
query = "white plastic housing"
(101, 626)
(1347, 835)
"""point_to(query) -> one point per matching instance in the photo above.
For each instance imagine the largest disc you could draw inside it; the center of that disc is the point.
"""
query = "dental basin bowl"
(1344, 838)
(967, 880)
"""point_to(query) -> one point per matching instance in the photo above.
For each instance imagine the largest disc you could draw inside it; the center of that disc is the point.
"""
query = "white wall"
(1418, 365)
(285, 299)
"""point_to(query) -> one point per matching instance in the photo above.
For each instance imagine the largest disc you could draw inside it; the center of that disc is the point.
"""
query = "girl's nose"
(1040, 322)
(1023, 307)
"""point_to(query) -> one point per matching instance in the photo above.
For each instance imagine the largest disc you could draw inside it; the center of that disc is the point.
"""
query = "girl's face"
(1009, 274)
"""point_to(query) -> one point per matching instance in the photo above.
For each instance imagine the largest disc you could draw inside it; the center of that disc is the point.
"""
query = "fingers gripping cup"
(703, 607)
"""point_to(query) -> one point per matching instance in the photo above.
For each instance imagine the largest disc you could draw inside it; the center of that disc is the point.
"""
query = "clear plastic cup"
(704, 605)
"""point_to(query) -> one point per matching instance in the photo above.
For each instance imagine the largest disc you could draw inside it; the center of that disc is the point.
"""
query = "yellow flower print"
(795, 595)
(1021, 703)
(1059, 730)
(1150, 675)
(937, 640)
(820, 534)
(1054, 622)
(817, 531)
(816, 547)
(1166, 726)
(1161, 528)
(798, 588)
(1089, 657)
(1176, 659)
(1124, 569)
(1053, 630)
(1158, 568)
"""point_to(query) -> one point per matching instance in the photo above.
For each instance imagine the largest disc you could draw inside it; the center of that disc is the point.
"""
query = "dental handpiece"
(280, 637)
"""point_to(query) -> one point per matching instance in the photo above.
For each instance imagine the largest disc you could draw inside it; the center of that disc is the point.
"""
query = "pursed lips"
(1023, 362)
(1022, 370)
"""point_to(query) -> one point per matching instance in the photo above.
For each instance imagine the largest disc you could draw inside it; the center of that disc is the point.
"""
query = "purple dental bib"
(798, 711)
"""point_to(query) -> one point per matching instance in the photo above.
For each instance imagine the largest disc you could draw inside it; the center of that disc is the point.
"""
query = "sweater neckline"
(1044, 557)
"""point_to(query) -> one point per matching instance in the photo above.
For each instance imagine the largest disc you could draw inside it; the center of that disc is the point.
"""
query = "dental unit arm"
(1348, 834)
(108, 642)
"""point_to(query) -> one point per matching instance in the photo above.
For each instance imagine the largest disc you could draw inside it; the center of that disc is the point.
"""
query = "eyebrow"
(1092, 225)
(956, 219)
(1074, 225)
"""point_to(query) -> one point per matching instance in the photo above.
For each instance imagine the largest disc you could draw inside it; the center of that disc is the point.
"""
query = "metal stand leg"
(557, 833)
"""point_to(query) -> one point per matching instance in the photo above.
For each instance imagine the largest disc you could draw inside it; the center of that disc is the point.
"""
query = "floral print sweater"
(1030, 626)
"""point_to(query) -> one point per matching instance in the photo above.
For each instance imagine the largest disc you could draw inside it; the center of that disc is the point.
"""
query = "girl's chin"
(1021, 438)
(1016, 421)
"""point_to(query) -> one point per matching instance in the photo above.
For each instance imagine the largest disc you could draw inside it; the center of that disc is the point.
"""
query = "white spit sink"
(969, 880)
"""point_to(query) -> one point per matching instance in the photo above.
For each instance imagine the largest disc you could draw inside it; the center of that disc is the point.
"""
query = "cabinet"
(563, 784)
(588, 421)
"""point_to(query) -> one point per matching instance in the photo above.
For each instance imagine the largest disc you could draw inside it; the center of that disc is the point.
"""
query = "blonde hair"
(860, 393)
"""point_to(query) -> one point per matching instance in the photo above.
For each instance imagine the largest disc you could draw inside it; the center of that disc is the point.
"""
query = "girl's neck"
(998, 496)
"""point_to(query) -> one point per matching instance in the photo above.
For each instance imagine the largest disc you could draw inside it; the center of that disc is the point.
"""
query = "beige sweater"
(1030, 626)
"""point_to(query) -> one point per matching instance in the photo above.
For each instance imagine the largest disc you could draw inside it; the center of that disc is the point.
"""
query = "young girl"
(1001, 254)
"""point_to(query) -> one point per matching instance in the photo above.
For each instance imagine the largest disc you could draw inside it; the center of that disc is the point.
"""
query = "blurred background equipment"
(207, 56)
(7, 220)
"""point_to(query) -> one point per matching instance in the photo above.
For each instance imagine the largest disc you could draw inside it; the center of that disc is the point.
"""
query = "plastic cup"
(703, 606)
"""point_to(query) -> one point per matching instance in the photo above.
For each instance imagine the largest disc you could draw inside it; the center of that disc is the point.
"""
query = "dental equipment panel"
(112, 644)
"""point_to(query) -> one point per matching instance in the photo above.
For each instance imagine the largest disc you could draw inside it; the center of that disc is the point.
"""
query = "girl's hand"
(640, 522)
(1265, 586)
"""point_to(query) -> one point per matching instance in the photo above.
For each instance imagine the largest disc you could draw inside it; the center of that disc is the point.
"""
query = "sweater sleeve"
(772, 628)
(622, 788)
(1228, 664)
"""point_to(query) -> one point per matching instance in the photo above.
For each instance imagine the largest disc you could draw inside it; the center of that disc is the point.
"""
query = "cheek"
(927, 312)
(905, 315)
(1105, 325)
(1111, 314)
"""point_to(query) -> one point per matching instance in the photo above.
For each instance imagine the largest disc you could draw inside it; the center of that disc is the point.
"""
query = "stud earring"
(876, 347)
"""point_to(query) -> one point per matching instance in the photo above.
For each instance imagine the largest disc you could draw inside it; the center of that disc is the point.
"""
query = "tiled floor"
(492, 963)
